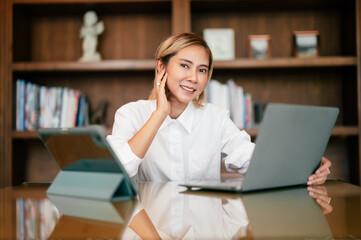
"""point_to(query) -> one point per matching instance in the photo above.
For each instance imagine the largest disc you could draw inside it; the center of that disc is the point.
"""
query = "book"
(49, 107)
(20, 105)
(232, 97)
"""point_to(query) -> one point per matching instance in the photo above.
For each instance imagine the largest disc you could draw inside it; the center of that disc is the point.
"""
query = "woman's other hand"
(321, 174)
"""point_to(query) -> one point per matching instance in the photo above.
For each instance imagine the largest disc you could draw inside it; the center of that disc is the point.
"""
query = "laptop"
(89, 167)
(289, 147)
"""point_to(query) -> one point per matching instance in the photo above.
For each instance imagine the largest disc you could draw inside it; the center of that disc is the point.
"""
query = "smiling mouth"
(188, 88)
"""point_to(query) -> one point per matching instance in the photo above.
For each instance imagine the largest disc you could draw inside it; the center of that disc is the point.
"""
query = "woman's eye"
(184, 65)
(203, 70)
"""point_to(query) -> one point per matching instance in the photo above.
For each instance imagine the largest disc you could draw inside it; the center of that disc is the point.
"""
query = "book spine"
(76, 107)
(248, 120)
(22, 105)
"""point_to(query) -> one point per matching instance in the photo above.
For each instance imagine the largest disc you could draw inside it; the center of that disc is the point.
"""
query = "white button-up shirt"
(188, 148)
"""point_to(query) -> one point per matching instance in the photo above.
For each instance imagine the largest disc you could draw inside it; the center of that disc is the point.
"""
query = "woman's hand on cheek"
(321, 174)
(163, 105)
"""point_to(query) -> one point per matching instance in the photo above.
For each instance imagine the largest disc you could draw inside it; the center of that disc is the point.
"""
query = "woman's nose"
(193, 76)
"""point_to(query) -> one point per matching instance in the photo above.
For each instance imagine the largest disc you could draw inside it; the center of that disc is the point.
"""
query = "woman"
(174, 136)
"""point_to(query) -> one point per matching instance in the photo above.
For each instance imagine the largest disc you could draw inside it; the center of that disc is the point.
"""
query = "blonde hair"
(170, 47)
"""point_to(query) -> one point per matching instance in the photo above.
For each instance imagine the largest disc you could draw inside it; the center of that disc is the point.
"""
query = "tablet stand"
(95, 185)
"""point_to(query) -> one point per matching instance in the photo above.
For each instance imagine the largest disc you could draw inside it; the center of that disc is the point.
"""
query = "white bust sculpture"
(89, 32)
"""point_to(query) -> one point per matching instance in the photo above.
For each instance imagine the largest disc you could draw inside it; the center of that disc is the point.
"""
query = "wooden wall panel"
(279, 25)
(131, 33)
(136, 37)
(181, 16)
(5, 93)
(358, 39)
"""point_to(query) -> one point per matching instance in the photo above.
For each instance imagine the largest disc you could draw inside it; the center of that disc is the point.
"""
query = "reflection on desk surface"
(86, 218)
(171, 212)
(285, 214)
(278, 214)
(35, 218)
(176, 215)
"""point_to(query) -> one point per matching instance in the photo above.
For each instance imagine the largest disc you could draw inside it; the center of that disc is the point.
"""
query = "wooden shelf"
(25, 135)
(34, 135)
(337, 131)
(106, 65)
(148, 64)
(30, 190)
(287, 63)
(345, 131)
(81, 1)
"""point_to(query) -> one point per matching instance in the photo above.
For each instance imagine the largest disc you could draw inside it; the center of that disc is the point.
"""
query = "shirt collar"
(185, 119)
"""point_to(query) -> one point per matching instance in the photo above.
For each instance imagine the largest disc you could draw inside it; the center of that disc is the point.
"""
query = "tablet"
(89, 167)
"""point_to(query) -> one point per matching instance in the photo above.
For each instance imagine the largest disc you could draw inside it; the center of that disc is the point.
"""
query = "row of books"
(49, 107)
(36, 218)
(232, 97)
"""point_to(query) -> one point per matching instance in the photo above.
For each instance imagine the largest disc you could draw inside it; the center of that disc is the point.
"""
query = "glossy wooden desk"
(175, 213)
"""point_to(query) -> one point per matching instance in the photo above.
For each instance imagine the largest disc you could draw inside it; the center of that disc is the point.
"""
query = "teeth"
(188, 89)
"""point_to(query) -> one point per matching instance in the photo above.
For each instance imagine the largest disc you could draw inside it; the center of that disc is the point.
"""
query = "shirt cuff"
(239, 160)
(127, 158)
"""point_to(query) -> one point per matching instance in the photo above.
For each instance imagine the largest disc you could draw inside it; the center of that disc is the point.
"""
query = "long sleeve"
(237, 147)
(126, 124)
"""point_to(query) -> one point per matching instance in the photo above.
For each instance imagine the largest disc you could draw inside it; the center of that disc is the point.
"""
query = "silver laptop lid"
(290, 144)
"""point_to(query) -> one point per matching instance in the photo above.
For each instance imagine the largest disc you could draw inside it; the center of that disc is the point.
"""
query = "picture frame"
(259, 46)
(221, 41)
(306, 44)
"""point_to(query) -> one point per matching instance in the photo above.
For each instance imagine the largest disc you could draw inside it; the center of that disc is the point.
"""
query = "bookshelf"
(40, 42)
